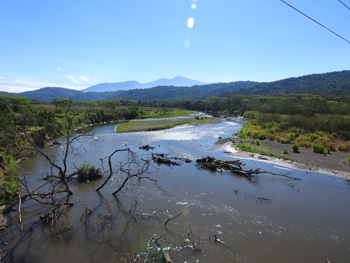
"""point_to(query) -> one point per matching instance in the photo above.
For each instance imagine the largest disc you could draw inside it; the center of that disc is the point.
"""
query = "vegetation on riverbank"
(163, 124)
(324, 133)
(26, 124)
(255, 148)
(146, 113)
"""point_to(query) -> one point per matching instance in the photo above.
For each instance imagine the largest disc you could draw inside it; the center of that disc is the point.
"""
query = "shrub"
(243, 136)
(88, 172)
(344, 147)
(260, 135)
(325, 141)
(318, 148)
(295, 147)
(349, 161)
(313, 137)
(282, 140)
(285, 151)
(304, 141)
(9, 179)
(250, 114)
(257, 142)
(292, 136)
(244, 147)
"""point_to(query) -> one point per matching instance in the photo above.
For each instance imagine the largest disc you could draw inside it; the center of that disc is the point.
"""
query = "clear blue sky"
(79, 43)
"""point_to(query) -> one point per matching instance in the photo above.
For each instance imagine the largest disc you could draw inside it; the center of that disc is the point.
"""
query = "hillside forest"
(307, 120)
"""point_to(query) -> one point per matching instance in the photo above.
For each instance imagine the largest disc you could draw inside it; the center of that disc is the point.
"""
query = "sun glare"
(193, 6)
(190, 22)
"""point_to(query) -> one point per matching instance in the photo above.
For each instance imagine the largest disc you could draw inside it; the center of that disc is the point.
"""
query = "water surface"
(231, 219)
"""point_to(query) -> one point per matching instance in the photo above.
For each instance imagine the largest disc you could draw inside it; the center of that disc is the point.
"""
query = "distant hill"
(113, 86)
(326, 84)
(127, 85)
(194, 93)
(334, 83)
(50, 93)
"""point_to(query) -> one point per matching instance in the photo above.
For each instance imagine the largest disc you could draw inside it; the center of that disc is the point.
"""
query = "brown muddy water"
(226, 218)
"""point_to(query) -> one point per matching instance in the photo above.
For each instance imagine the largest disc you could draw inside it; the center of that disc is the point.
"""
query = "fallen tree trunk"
(159, 160)
(234, 166)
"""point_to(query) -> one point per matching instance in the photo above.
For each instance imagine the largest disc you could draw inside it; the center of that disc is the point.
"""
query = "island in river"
(162, 124)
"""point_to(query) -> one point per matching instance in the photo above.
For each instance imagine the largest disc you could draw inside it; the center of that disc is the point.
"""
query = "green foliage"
(282, 140)
(348, 161)
(334, 83)
(250, 114)
(243, 135)
(285, 151)
(259, 149)
(161, 112)
(64, 103)
(295, 147)
(344, 147)
(318, 148)
(257, 142)
(88, 172)
(9, 178)
(169, 126)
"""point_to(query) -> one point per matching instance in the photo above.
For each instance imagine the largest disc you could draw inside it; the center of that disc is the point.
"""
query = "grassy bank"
(145, 113)
(259, 149)
(163, 124)
(318, 141)
(323, 133)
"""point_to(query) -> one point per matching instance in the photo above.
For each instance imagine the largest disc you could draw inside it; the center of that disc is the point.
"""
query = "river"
(226, 218)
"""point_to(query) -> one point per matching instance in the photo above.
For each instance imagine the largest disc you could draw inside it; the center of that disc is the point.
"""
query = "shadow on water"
(221, 216)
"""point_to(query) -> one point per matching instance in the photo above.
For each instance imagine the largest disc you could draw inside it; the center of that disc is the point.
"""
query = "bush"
(282, 140)
(304, 141)
(88, 172)
(244, 147)
(349, 161)
(260, 135)
(243, 135)
(344, 147)
(295, 147)
(257, 142)
(285, 151)
(292, 136)
(318, 148)
(9, 179)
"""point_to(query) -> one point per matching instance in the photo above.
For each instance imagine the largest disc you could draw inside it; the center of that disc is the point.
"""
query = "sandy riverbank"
(334, 164)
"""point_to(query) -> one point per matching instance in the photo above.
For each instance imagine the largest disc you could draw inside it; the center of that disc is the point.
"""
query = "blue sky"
(80, 43)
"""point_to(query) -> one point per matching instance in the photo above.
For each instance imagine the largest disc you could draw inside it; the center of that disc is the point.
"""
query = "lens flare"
(187, 43)
(193, 6)
(190, 22)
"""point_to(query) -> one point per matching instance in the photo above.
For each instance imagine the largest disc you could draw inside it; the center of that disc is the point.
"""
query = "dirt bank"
(334, 164)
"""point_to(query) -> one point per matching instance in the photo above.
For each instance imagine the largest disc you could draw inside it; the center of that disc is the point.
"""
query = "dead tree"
(234, 166)
(134, 168)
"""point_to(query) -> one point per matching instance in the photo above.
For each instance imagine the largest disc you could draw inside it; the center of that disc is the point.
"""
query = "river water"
(226, 218)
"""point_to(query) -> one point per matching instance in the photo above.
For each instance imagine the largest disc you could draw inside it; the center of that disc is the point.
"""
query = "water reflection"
(303, 221)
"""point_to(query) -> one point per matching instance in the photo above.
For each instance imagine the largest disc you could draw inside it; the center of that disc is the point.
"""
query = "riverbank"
(135, 126)
(334, 164)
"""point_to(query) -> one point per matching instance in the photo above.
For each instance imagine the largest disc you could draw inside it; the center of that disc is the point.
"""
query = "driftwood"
(54, 214)
(166, 257)
(174, 217)
(146, 147)
(164, 160)
(234, 166)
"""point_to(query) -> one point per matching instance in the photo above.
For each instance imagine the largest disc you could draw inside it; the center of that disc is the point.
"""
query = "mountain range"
(127, 85)
(326, 84)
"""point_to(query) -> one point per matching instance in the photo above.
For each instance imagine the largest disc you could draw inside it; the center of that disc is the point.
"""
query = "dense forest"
(327, 84)
(334, 83)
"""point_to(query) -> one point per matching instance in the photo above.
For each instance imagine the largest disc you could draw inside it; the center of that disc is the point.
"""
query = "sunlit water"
(301, 221)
